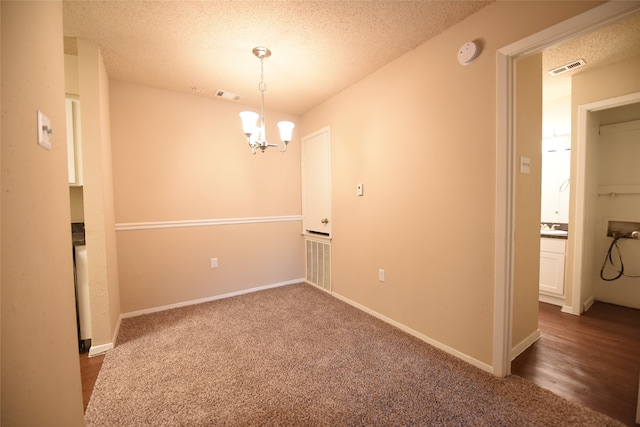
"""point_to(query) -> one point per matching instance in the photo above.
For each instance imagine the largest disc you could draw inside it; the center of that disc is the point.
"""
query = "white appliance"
(82, 292)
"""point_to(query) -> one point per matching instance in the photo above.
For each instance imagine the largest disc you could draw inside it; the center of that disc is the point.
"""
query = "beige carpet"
(296, 356)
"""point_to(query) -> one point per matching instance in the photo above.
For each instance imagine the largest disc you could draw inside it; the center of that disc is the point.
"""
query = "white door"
(316, 183)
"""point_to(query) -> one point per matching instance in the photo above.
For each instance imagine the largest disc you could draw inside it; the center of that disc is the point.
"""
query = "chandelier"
(256, 134)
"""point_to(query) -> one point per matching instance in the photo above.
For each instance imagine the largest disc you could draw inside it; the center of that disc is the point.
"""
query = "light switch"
(44, 131)
(360, 189)
(525, 165)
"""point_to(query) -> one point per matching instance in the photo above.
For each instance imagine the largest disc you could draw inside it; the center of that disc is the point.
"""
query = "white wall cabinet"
(552, 260)
(316, 183)
(74, 147)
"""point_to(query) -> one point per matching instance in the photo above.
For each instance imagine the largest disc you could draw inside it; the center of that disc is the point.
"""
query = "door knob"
(325, 221)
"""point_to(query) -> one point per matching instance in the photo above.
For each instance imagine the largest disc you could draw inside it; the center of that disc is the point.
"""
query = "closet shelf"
(614, 190)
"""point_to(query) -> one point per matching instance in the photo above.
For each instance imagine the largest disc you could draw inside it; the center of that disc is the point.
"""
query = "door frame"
(506, 57)
(584, 111)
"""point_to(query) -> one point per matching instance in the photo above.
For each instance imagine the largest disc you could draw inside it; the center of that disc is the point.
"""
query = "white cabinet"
(552, 255)
(74, 147)
(316, 183)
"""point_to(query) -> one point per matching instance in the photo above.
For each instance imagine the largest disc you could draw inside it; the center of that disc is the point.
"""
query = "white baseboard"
(208, 299)
(115, 333)
(97, 350)
(103, 348)
(318, 287)
(431, 341)
(588, 303)
(551, 299)
(525, 344)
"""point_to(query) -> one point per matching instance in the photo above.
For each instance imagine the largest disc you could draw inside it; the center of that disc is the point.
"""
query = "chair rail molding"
(128, 226)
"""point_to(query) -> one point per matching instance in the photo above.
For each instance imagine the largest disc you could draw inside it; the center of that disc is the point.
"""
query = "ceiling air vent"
(567, 67)
(225, 94)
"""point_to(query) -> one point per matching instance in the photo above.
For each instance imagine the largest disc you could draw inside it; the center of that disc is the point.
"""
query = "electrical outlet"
(381, 275)
(214, 262)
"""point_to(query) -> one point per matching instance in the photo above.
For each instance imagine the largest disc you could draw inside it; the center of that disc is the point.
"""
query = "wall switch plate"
(214, 262)
(381, 275)
(360, 189)
(525, 165)
(44, 131)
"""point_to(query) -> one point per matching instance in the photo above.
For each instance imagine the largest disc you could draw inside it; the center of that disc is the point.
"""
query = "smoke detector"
(567, 67)
(468, 52)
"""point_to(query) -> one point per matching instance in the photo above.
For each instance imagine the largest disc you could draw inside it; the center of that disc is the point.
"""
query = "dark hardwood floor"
(592, 359)
(89, 368)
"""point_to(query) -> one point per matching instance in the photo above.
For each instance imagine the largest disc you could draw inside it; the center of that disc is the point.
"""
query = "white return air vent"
(567, 67)
(225, 94)
(318, 263)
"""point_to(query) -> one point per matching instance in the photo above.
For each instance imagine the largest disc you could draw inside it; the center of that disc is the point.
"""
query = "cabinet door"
(316, 183)
(74, 148)
(552, 273)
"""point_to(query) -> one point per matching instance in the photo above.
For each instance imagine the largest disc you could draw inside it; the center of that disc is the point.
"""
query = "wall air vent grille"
(225, 94)
(567, 67)
(318, 264)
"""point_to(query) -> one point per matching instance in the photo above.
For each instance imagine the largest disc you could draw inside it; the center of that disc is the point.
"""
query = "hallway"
(593, 359)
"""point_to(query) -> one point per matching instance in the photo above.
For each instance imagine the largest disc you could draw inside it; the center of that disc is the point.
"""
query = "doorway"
(585, 23)
(596, 198)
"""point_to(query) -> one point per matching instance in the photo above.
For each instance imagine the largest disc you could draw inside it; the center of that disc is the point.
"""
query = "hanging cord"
(609, 259)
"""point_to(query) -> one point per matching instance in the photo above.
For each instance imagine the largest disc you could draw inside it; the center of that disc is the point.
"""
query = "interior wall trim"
(452, 351)
(208, 299)
(128, 226)
(525, 344)
(97, 350)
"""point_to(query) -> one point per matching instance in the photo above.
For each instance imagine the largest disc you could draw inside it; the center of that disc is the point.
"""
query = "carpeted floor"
(296, 356)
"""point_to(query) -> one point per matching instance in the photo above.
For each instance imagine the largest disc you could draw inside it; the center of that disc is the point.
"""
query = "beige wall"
(71, 77)
(180, 157)
(77, 204)
(420, 134)
(40, 370)
(527, 204)
(104, 290)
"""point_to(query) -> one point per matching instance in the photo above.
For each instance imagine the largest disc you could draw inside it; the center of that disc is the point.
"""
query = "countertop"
(554, 230)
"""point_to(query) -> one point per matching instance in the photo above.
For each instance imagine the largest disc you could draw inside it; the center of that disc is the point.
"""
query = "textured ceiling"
(605, 46)
(319, 47)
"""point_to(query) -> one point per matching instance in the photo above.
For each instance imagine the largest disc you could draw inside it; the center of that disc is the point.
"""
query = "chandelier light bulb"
(286, 130)
(249, 120)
